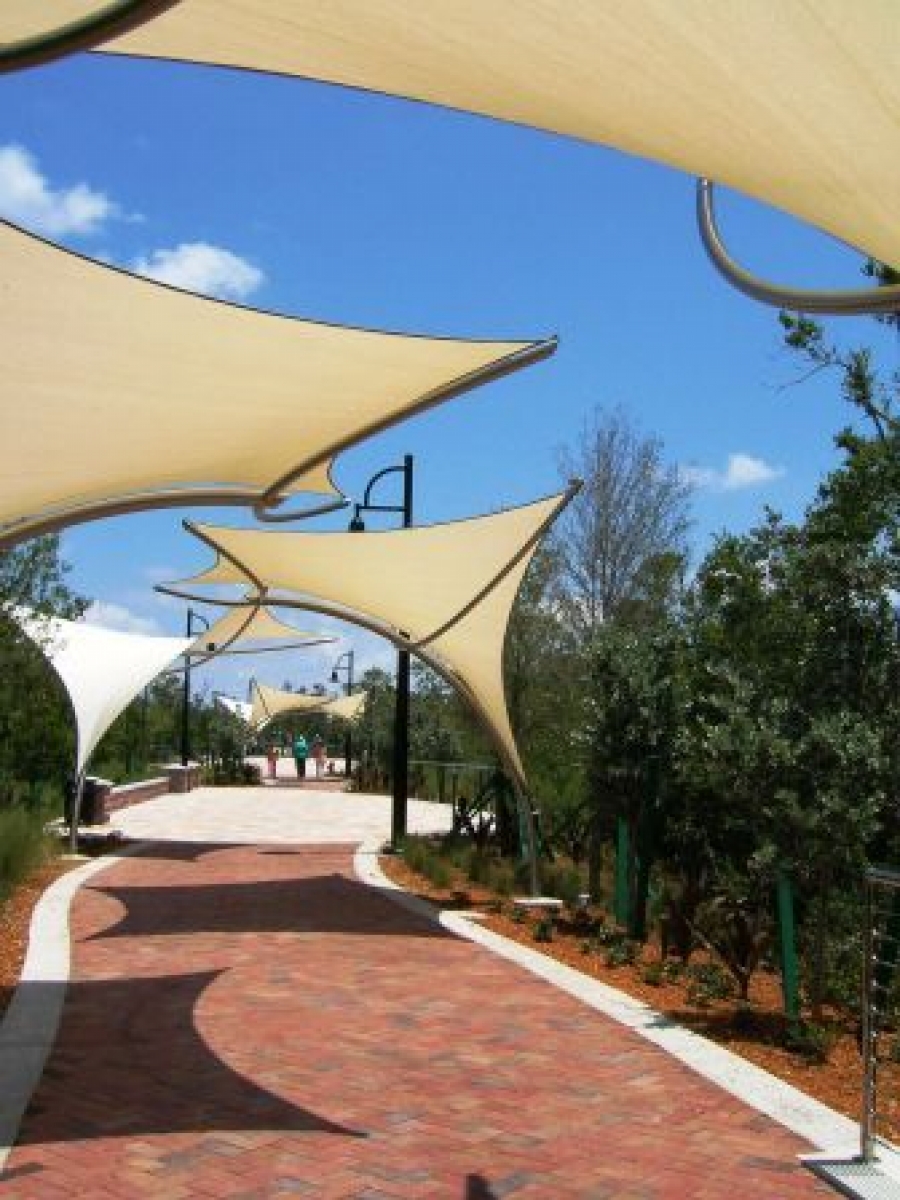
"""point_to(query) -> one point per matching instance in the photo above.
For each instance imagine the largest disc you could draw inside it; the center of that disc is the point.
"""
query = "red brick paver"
(251, 1022)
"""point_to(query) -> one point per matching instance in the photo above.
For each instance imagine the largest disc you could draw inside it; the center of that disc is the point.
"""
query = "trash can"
(93, 801)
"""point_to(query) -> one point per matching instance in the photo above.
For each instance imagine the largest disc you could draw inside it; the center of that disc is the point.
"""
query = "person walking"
(319, 753)
(272, 756)
(300, 752)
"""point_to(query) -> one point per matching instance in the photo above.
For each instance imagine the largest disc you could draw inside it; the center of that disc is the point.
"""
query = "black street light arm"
(405, 509)
(186, 693)
(341, 665)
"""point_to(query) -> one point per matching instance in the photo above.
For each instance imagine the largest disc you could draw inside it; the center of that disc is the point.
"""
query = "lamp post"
(401, 710)
(186, 693)
(342, 665)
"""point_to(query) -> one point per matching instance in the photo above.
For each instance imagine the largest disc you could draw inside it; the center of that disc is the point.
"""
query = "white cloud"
(117, 616)
(742, 471)
(200, 267)
(27, 198)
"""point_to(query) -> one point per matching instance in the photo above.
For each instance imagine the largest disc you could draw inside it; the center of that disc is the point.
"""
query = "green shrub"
(478, 869)
(621, 953)
(565, 883)
(708, 982)
(23, 844)
(502, 880)
(543, 930)
(415, 855)
(653, 974)
(222, 773)
(438, 872)
(812, 1041)
(607, 935)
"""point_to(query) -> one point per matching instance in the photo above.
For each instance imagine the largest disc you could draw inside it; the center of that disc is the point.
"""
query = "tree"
(36, 728)
(543, 674)
(632, 510)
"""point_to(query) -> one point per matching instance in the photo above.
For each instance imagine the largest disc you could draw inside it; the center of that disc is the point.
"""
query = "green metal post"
(623, 851)
(790, 975)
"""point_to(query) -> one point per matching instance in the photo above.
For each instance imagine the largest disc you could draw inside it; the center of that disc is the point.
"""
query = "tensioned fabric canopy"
(238, 708)
(269, 703)
(122, 392)
(251, 623)
(102, 669)
(793, 102)
(444, 591)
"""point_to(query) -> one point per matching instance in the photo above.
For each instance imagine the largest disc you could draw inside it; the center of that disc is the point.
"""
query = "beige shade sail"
(120, 392)
(251, 623)
(347, 708)
(793, 102)
(33, 32)
(24, 20)
(445, 591)
(268, 703)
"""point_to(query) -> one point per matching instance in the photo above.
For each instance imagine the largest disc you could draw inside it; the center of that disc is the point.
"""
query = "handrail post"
(868, 1032)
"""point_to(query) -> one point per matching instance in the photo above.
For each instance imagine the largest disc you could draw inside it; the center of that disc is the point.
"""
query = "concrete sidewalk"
(251, 1021)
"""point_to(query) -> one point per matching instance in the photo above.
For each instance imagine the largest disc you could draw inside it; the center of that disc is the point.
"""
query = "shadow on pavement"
(321, 904)
(129, 1062)
(478, 1188)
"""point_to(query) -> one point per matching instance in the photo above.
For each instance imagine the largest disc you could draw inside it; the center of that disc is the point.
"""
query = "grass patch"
(24, 844)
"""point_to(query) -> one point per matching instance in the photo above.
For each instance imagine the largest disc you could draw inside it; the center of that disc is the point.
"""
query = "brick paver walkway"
(251, 1021)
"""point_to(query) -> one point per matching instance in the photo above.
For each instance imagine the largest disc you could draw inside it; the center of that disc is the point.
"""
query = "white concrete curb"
(825, 1129)
(29, 1027)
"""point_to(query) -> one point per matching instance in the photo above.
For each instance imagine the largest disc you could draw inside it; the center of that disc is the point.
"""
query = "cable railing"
(445, 782)
(881, 945)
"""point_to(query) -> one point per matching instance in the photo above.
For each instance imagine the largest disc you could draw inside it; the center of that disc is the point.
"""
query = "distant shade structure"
(120, 393)
(246, 629)
(267, 703)
(443, 591)
(242, 709)
(792, 102)
(102, 670)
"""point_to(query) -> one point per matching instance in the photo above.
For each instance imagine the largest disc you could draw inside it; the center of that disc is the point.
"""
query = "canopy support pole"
(838, 303)
(75, 811)
(528, 826)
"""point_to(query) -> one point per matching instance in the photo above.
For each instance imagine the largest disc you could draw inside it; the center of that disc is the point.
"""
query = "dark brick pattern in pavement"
(251, 1022)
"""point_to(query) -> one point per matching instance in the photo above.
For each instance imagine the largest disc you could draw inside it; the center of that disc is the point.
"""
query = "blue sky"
(367, 210)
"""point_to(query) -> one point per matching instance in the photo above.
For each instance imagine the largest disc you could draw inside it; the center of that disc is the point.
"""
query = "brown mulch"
(15, 920)
(754, 1034)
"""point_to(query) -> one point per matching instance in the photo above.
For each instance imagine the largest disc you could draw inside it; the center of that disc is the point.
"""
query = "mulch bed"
(755, 1034)
(15, 920)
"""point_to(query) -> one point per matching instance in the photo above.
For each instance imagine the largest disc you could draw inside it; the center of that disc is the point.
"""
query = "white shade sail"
(251, 624)
(445, 591)
(119, 392)
(793, 102)
(267, 703)
(238, 708)
(102, 669)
